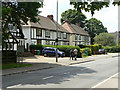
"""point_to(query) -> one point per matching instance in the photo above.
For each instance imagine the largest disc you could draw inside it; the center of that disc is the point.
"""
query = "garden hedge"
(112, 49)
(64, 48)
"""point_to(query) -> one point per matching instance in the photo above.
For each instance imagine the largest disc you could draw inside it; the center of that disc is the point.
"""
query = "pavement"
(41, 62)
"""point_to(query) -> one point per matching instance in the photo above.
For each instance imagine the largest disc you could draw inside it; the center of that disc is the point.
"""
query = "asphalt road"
(84, 75)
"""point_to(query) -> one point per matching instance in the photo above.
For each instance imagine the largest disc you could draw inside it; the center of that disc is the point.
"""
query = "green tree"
(17, 13)
(94, 27)
(105, 39)
(91, 6)
(74, 16)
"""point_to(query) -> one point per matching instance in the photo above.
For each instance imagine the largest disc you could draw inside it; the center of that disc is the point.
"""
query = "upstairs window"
(47, 33)
(76, 37)
(79, 37)
(59, 35)
(65, 35)
(38, 32)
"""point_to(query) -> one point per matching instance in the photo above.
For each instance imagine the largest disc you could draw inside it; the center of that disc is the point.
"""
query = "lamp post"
(57, 32)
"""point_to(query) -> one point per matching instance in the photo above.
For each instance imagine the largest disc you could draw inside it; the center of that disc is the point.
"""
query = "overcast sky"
(108, 16)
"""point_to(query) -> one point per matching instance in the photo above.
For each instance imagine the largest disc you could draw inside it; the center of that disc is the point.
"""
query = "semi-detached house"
(44, 32)
(77, 34)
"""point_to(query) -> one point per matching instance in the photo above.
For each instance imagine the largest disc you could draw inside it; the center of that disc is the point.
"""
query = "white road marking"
(14, 86)
(67, 73)
(48, 77)
(104, 81)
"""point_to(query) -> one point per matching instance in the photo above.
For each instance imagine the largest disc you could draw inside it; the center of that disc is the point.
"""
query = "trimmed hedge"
(112, 49)
(64, 48)
(35, 47)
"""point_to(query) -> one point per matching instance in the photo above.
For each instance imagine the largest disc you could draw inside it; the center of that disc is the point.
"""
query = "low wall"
(9, 56)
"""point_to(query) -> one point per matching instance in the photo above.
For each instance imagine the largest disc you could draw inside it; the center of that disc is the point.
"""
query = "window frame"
(64, 35)
(59, 35)
(80, 37)
(40, 32)
(76, 37)
(46, 32)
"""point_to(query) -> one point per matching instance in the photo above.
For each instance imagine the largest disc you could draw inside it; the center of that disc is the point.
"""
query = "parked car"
(49, 51)
(102, 51)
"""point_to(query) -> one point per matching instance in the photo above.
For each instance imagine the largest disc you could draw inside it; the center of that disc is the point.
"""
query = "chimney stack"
(68, 21)
(50, 17)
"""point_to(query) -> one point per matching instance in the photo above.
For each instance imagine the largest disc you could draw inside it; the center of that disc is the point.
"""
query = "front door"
(39, 42)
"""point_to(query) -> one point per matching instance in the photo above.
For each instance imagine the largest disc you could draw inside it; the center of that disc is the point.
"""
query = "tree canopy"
(94, 27)
(17, 13)
(91, 6)
(105, 39)
(74, 16)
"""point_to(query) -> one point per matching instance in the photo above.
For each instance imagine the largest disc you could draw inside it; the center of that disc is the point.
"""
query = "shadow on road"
(48, 76)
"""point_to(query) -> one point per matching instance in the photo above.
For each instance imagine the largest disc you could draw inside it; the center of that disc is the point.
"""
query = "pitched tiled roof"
(47, 23)
(72, 28)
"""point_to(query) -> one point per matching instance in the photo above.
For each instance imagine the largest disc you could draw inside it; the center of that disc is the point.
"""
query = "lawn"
(13, 65)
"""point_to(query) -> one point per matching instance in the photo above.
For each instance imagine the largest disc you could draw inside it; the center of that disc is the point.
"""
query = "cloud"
(108, 16)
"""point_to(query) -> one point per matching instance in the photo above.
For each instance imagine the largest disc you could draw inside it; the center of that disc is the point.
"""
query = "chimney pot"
(68, 21)
(50, 17)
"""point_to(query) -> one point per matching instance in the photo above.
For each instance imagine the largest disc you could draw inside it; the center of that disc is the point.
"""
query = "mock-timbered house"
(44, 32)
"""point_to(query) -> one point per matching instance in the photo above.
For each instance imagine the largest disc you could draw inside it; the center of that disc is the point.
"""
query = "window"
(47, 42)
(64, 35)
(76, 37)
(38, 32)
(47, 33)
(59, 34)
(11, 27)
(79, 37)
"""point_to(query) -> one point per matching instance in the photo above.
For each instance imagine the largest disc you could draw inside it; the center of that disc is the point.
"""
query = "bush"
(88, 50)
(81, 46)
(84, 55)
(95, 48)
(64, 48)
(35, 47)
(83, 52)
(112, 49)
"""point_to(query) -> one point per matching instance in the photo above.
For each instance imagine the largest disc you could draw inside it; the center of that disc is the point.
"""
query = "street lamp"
(57, 32)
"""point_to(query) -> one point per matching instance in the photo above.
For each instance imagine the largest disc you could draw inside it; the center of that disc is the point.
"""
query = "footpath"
(40, 63)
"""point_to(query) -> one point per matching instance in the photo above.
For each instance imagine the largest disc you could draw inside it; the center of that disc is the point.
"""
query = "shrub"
(112, 49)
(81, 46)
(95, 48)
(84, 55)
(65, 48)
(35, 47)
(88, 50)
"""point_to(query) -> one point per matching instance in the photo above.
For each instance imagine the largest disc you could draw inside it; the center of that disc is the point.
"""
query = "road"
(84, 75)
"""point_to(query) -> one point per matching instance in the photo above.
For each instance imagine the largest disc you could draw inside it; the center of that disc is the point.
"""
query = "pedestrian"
(71, 54)
(75, 53)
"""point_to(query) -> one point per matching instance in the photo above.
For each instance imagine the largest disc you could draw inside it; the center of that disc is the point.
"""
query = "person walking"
(71, 54)
(75, 53)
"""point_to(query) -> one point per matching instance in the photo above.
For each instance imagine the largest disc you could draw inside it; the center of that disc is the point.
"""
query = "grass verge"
(13, 65)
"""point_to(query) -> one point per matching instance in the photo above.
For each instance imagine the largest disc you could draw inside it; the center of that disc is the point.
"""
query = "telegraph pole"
(57, 32)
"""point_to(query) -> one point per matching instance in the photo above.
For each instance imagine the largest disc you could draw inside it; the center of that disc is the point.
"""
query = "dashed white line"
(67, 73)
(48, 77)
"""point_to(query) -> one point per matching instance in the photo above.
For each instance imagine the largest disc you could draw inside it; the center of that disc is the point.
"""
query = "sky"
(108, 16)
